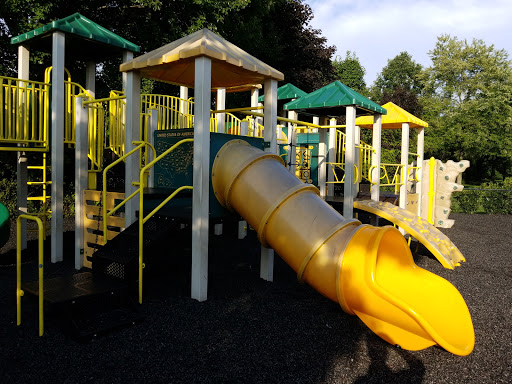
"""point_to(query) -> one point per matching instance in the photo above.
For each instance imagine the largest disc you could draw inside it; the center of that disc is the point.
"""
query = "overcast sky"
(379, 30)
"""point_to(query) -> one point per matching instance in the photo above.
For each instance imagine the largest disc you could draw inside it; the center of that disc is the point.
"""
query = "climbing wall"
(445, 176)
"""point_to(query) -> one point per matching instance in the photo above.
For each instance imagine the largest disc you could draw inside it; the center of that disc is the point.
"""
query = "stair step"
(70, 288)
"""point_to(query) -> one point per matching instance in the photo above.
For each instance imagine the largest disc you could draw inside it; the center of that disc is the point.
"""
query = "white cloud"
(379, 30)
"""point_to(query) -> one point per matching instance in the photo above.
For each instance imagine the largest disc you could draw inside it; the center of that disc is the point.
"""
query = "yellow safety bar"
(142, 218)
(40, 261)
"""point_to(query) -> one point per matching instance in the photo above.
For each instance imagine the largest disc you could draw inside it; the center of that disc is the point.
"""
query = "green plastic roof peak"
(287, 91)
(333, 95)
(78, 25)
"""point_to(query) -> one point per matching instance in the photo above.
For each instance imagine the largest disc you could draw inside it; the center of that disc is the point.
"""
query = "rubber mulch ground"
(253, 331)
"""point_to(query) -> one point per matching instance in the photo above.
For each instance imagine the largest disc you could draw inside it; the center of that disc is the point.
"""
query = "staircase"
(95, 302)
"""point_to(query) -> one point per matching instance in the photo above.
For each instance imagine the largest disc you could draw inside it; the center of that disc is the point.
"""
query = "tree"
(468, 103)
(277, 32)
(399, 82)
(350, 72)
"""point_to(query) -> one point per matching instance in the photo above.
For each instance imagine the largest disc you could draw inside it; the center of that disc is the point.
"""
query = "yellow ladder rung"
(36, 198)
(38, 182)
(42, 167)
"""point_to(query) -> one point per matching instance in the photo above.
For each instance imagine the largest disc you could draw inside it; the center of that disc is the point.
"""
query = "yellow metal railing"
(173, 112)
(40, 262)
(392, 175)
(337, 179)
(24, 114)
(106, 214)
(142, 218)
(115, 134)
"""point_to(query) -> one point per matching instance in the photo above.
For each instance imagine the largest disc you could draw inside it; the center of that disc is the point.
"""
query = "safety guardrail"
(40, 261)
(341, 166)
(24, 114)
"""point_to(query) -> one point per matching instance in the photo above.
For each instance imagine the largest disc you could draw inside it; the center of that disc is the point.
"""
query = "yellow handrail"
(431, 193)
(142, 218)
(106, 215)
(40, 261)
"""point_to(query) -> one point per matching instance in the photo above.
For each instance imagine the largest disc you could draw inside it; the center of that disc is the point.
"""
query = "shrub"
(490, 198)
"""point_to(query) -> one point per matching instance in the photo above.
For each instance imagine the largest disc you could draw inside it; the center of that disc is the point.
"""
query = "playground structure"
(247, 176)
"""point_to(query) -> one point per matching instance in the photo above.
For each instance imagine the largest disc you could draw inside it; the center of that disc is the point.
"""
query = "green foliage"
(401, 75)
(466, 201)
(278, 32)
(467, 101)
(350, 72)
(8, 193)
(494, 197)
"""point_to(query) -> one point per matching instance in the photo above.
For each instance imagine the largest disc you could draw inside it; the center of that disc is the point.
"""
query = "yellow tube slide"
(368, 270)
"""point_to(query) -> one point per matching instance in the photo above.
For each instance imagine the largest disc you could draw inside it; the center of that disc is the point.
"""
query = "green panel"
(176, 169)
(286, 92)
(335, 94)
(78, 25)
(217, 140)
(5, 226)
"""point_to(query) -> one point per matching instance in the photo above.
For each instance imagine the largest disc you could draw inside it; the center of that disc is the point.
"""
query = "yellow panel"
(393, 119)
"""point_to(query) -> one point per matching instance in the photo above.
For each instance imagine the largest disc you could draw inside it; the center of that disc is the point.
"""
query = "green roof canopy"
(286, 92)
(84, 38)
(332, 96)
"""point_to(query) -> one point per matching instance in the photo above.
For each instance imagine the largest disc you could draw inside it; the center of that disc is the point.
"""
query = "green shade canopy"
(286, 92)
(333, 97)
(84, 38)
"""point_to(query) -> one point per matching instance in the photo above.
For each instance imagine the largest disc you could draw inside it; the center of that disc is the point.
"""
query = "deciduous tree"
(468, 103)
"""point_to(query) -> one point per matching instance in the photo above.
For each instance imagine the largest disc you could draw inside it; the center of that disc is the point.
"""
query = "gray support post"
(292, 148)
(57, 145)
(255, 93)
(357, 160)
(81, 176)
(244, 128)
(200, 196)
(270, 116)
(127, 56)
(220, 105)
(322, 160)
(183, 107)
(242, 229)
(331, 156)
(21, 165)
(348, 196)
(376, 155)
(132, 133)
(419, 171)
(152, 128)
(90, 78)
(270, 139)
(404, 160)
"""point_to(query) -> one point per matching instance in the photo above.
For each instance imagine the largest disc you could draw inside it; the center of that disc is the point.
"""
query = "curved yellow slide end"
(368, 270)
(432, 238)
(399, 301)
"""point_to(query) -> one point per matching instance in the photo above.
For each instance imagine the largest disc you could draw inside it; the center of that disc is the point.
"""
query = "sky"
(379, 30)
